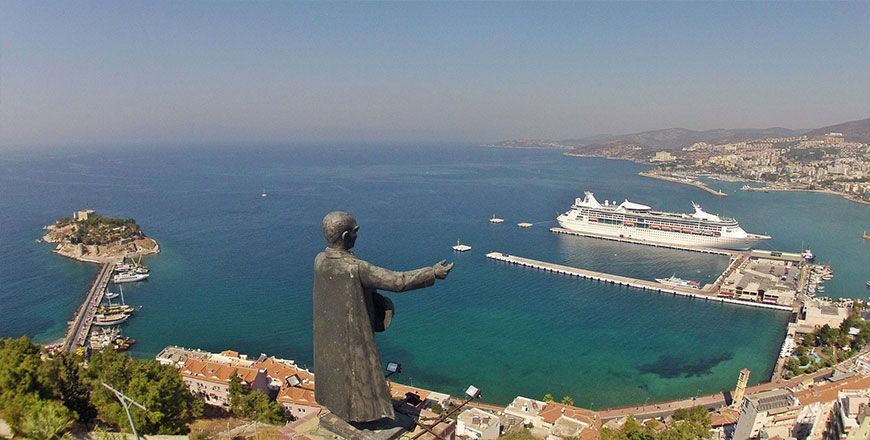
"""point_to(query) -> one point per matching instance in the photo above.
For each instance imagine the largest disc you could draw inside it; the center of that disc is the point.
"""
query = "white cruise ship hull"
(739, 241)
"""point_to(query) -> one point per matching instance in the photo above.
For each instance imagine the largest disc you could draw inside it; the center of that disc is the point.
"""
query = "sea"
(235, 268)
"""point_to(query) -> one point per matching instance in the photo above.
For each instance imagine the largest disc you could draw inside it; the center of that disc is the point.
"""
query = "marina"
(618, 280)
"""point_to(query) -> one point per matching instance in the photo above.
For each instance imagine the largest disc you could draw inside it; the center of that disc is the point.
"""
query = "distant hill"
(853, 131)
(676, 138)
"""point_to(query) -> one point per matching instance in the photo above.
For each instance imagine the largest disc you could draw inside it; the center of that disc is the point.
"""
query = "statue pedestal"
(384, 429)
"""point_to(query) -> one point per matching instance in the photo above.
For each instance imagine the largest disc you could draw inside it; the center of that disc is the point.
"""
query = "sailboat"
(264, 193)
(866, 236)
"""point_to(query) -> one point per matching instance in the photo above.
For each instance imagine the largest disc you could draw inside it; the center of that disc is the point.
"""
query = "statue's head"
(339, 229)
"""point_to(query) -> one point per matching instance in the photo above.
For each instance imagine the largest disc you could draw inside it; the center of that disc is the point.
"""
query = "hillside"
(853, 131)
(675, 138)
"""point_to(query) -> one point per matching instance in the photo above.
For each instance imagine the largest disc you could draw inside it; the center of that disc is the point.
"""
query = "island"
(90, 237)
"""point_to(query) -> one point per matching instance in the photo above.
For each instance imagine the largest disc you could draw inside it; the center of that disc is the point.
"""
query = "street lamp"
(125, 402)
(472, 392)
(393, 368)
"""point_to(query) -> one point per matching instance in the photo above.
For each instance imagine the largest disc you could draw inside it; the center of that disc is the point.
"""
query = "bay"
(235, 270)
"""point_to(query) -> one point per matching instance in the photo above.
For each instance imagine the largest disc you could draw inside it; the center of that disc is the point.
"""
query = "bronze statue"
(347, 313)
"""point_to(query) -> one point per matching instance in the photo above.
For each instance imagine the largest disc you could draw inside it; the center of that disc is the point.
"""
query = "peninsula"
(90, 237)
(833, 159)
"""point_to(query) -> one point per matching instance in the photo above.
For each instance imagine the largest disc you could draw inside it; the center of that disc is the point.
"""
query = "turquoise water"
(236, 269)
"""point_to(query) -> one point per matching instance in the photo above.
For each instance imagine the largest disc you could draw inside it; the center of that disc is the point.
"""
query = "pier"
(694, 183)
(618, 280)
(703, 250)
(80, 326)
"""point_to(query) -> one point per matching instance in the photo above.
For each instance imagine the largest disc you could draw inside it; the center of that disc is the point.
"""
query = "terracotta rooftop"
(277, 369)
(554, 410)
(217, 372)
(724, 417)
(827, 392)
(299, 395)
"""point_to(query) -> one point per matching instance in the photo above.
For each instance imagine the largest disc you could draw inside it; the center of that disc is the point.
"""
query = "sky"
(151, 73)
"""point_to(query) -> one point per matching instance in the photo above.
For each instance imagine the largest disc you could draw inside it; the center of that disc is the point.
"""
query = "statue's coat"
(350, 377)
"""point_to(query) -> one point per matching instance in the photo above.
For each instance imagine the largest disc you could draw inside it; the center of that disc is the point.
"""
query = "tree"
(47, 421)
(62, 374)
(255, 405)
(158, 387)
(567, 400)
(548, 397)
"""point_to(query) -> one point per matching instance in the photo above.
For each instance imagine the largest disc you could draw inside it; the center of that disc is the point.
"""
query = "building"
(526, 409)
(816, 314)
(834, 138)
(759, 410)
(294, 386)
(84, 214)
(478, 424)
(589, 422)
(663, 156)
(850, 417)
(210, 380)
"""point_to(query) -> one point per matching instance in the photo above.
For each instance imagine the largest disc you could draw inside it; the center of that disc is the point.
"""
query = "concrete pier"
(695, 183)
(618, 280)
(80, 326)
(703, 250)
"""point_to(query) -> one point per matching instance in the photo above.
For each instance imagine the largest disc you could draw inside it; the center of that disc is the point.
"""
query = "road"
(77, 335)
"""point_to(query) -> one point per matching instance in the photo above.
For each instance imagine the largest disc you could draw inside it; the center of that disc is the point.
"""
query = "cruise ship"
(640, 222)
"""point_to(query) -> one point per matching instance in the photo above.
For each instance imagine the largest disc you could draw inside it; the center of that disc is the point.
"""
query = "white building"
(478, 424)
(526, 409)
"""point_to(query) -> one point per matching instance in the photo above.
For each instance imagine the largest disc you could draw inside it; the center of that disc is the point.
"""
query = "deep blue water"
(235, 270)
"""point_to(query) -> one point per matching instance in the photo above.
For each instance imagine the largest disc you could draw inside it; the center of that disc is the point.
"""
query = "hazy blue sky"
(74, 73)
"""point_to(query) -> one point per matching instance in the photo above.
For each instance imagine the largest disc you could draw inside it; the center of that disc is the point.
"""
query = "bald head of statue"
(339, 229)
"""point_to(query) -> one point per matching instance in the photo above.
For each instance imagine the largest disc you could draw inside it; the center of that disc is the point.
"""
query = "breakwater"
(619, 280)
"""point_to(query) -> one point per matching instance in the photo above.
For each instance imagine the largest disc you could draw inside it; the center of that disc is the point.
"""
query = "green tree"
(567, 400)
(548, 398)
(47, 421)
(158, 387)
(62, 373)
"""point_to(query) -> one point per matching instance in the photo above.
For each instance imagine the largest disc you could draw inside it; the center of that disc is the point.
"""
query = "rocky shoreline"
(113, 252)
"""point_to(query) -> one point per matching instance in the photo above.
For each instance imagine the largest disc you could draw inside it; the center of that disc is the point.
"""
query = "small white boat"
(124, 267)
(679, 282)
(111, 295)
(264, 193)
(495, 219)
(128, 277)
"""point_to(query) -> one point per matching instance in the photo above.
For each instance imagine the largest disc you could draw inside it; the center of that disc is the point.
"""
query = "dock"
(618, 280)
(80, 326)
(703, 250)
(695, 183)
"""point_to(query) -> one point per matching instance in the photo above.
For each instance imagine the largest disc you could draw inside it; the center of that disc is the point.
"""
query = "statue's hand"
(442, 269)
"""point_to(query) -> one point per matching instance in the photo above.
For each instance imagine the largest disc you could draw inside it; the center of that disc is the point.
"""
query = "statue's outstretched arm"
(379, 278)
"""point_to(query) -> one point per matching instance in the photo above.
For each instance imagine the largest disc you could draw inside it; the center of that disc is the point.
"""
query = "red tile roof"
(827, 392)
(216, 371)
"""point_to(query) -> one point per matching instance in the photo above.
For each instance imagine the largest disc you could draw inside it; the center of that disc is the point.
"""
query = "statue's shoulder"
(336, 256)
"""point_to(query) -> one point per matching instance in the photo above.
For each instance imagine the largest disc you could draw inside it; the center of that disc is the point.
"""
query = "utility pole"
(125, 402)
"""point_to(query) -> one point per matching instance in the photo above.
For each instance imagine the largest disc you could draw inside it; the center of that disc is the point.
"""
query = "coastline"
(822, 191)
(728, 178)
